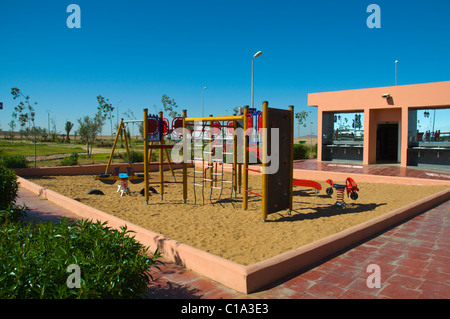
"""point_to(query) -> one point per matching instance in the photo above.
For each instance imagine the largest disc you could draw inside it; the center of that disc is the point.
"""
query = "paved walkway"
(384, 170)
(413, 260)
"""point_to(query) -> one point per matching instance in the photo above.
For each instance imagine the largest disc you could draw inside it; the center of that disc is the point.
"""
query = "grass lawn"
(26, 148)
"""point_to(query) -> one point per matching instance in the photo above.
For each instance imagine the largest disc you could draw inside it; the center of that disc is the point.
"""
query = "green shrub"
(35, 259)
(136, 157)
(14, 161)
(313, 152)
(8, 187)
(12, 214)
(71, 160)
(301, 151)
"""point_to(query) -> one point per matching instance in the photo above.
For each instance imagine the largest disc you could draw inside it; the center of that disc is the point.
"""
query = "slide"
(306, 183)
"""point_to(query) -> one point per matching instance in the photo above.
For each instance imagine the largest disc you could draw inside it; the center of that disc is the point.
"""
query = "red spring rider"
(350, 186)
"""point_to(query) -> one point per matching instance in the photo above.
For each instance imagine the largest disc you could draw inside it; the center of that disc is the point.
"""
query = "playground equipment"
(307, 183)
(155, 128)
(217, 139)
(214, 142)
(123, 185)
(350, 186)
(280, 182)
(115, 175)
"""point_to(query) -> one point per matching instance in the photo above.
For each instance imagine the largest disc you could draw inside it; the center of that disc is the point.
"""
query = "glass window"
(342, 136)
(342, 128)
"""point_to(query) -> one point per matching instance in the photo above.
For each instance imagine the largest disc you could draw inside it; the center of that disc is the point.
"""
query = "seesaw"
(111, 179)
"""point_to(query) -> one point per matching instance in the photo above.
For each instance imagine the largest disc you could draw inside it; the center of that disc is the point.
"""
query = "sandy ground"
(221, 227)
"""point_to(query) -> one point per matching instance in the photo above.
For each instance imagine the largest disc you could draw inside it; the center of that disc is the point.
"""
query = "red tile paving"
(413, 257)
(356, 168)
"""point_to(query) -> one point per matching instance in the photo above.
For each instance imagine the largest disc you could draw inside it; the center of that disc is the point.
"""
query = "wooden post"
(114, 146)
(265, 123)
(291, 160)
(146, 158)
(185, 151)
(161, 157)
(245, 171)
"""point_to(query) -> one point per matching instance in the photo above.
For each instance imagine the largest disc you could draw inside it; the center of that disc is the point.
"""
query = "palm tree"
(68, 127)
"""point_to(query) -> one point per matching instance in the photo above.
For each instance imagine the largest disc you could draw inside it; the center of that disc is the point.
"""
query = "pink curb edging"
(246, 279)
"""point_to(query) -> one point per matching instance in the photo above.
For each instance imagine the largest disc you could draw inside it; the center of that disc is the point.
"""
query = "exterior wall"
(381, 109)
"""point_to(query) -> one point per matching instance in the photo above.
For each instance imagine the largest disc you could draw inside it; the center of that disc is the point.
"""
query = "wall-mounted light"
(386, 95)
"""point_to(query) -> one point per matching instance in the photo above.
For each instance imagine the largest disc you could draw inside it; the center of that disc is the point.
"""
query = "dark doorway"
(387, 143)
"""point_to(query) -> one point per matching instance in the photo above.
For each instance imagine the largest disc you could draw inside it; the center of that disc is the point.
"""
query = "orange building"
(380, 125)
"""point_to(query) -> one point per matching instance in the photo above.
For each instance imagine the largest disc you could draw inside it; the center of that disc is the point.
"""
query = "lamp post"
(396, 62)
(257, 54)
(203, 100)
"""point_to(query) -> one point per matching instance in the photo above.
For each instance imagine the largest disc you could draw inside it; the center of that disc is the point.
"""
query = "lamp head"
(257, 54)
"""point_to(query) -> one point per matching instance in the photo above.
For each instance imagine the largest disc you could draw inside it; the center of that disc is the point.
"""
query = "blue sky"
(135, 51)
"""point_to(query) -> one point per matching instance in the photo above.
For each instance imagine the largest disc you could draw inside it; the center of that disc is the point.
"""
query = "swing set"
(158, 129)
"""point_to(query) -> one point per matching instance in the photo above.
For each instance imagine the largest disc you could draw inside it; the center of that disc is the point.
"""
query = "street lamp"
(396, 62)
(203, 100)
(257, 54)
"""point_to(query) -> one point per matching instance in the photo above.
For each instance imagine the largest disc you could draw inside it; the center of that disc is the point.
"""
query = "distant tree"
(169, 106)
(129, 114)
(302, 118)
(105, 110)
(89, 130)
(68, 127)
(12, 125)
(25, 113)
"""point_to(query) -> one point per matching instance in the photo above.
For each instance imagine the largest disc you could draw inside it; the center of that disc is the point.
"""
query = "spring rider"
(350, 186)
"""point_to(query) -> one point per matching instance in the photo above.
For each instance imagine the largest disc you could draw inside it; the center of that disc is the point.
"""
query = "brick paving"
(413, 259)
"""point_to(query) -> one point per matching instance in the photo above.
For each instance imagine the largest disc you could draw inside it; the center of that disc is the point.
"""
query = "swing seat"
(134, 178)
(106, 179)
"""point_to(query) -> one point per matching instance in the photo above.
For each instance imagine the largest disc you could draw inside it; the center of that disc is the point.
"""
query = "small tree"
(24, 111)
(68, 127)
(302, 118)
(105, 110)
(88, 130)
(12, 125)
(169, 106)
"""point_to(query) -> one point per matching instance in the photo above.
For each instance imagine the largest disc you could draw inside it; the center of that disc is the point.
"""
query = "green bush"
(71, 160)
(136, 157)
(301, 151)
(8, 187)
(34, 261)
(12, 214)
(313, 152)
(14, 161)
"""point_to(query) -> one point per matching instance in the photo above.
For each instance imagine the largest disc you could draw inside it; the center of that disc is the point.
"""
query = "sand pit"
(222, 228)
